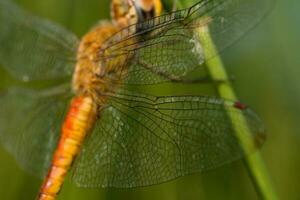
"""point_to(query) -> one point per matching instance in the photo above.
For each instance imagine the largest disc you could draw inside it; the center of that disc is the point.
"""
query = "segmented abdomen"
(78, 122)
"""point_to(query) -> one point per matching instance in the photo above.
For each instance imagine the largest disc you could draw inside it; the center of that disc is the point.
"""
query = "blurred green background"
(265, 65)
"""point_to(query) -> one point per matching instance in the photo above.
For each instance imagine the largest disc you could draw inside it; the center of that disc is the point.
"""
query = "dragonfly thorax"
(92, 76)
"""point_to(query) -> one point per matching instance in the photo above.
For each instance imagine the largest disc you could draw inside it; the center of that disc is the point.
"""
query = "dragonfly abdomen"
(79, 120)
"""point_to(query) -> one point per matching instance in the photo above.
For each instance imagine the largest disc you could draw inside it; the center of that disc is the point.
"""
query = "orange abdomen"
(78, 122)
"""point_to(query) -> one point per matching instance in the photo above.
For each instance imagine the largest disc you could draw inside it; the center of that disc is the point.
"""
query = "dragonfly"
(85, 116)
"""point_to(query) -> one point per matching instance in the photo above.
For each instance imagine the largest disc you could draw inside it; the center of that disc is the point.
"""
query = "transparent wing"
(30, 123)
(168, 45)
(33, 48)
(143, 140)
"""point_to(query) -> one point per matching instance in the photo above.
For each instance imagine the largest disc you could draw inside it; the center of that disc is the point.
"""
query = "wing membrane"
(33, 48)
(143, 140)
(168, 45)
(30, 123)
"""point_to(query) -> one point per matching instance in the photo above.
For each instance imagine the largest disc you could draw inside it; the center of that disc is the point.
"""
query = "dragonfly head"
(147, 9)
(126, 12)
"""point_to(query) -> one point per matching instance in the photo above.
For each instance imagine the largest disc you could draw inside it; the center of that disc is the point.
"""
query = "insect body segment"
(89, 72)
(78, 122)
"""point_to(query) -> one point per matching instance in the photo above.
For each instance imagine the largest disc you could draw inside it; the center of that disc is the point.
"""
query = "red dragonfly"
(120, 136)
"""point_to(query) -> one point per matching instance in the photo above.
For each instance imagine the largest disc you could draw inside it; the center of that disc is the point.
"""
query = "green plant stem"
(254, 162)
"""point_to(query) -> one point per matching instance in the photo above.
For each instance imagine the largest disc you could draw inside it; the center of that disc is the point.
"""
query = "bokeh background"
(265, 65)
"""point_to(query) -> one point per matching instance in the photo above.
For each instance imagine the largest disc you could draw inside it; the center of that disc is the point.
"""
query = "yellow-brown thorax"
(88, 78)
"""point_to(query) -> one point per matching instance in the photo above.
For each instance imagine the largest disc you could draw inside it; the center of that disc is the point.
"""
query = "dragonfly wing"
(169, 45)
(168, 57)
(34, 48)
(30, 125)
(144, 140)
